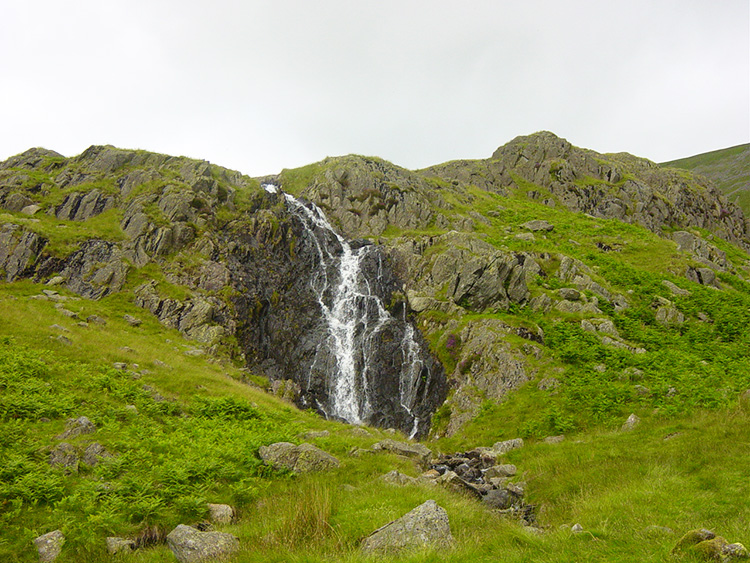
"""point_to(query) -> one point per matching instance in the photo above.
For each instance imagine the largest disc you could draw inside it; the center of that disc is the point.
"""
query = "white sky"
(258, 86)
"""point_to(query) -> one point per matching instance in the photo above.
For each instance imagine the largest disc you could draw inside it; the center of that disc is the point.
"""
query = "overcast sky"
(259, 86)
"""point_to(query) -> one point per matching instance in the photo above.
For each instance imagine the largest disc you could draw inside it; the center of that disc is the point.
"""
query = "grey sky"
(258, 86)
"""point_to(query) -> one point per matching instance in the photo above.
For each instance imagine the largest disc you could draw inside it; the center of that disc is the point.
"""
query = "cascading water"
(355, 318)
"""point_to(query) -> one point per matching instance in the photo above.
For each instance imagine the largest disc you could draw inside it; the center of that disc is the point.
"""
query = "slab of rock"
(426, 526)
(190, 545)
(417, 451)
(220, 513)
(396, 478)
(77, 427)
(502, 447)
(49, 545)
(450, 480)
(503, 470)
(120, 545)
(538, 225)
(304, 458)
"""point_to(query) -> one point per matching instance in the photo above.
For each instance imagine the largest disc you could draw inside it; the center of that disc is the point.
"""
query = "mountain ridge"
(552, 301)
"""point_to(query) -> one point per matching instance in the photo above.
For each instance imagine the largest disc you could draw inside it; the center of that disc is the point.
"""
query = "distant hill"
(728, 168)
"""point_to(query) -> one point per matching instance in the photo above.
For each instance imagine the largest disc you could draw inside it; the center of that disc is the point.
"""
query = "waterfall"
(355, 318)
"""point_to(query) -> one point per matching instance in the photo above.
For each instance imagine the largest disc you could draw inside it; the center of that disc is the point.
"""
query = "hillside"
(194, 316)
(728, 169)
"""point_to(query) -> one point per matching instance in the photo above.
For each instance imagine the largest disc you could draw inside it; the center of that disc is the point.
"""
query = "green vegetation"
(184, 429)
(728, 168)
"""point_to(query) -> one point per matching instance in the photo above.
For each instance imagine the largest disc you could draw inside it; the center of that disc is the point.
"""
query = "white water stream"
(354, 317)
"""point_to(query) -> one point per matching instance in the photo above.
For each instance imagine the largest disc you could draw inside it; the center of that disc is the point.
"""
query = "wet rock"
(426, 526)
(49, 546)
(304, 458)
(190, 545)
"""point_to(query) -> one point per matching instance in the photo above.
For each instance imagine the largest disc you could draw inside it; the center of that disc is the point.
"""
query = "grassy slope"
(683, 472)
(728, 168)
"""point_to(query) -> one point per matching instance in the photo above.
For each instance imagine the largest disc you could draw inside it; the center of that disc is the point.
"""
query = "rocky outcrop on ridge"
(619, 186)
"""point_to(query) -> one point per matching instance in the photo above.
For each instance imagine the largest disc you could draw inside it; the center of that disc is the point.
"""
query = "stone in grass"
(64, 455)
(538, 225)
(191, 546)
(76, 427)
(304, 458)
(397, 478)
(426, 526)
(691, 538)
(131, 320)
(220, 513)
(49, 545)
(120, 545)
(94, 453)
(631, 422)
(418, 451)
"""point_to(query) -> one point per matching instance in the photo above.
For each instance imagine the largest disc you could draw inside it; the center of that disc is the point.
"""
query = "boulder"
(426, 526)
(500, 448)
(49, 545)
(190, 545)
(120, 545)
(94, 453)
(220, 513)
(631, 422)
(538, 225)
(503, 470)
(64, 455)
(304, 458)
(691, 538)
(417, 451)
(77, 427)
(396, 478)
(453, 482)
(500, 499)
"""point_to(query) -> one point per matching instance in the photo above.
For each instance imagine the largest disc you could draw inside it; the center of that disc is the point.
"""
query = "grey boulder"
(426, 526)
(190, 545)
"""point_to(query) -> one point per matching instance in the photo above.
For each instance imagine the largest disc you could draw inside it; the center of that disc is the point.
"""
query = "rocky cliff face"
(613, 186)
(212, 254)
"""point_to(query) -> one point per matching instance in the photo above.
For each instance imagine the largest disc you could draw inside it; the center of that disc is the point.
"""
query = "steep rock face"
(463, 270)
(272, 260)
(363, 196)
(19, 251)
